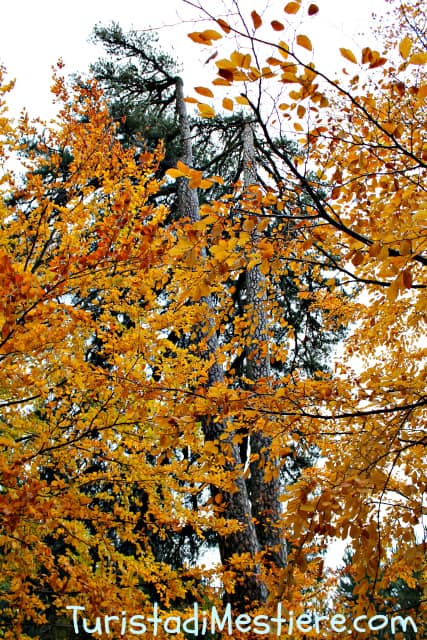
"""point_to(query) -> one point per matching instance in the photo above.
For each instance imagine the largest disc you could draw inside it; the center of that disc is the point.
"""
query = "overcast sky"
(33, 35)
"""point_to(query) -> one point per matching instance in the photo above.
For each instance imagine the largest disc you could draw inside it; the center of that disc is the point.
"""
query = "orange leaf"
(407, 278)
(211, 34)
(204, 37)
(227, 103)
(305, 42)
(292, 7)
(224, 25)
(204, 91)
(206, 111)
(348, 55)
(277, 26)
(418, 58)
(256, 19)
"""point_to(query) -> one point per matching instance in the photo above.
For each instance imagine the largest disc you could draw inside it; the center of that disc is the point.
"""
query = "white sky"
(33, 35)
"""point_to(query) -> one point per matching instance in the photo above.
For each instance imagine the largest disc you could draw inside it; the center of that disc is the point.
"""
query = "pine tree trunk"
(236, 505)
(264, 495)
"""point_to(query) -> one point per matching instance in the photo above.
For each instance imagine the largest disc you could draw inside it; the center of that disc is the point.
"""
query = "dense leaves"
(155, 373)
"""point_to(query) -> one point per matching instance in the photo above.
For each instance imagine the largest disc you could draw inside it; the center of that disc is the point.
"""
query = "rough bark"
(263, 494)
(236, 505)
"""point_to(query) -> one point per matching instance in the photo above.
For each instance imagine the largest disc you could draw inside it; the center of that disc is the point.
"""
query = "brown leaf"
(256, 19)
(277, 26)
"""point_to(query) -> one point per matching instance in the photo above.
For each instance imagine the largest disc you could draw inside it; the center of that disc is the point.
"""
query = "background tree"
(217, 145)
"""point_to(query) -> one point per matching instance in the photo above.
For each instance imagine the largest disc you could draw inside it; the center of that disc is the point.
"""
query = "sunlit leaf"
(304, 41)
(206, 111)
(418, 58)
(204, 91)
(292, 7)
(405, 47)
(348, 55)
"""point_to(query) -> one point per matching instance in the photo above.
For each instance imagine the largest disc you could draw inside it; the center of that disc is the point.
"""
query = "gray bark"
(264, 495)
(236, 505)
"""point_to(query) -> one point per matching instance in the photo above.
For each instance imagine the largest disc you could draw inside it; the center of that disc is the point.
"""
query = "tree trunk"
(264, 494)
(236, 505)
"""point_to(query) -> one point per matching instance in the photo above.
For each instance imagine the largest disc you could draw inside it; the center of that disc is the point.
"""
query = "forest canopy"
(212, 334)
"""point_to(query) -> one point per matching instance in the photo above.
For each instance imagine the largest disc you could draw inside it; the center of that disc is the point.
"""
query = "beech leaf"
(292, 7)
(204, 91)
(348, 55)
(256, 19)
(304, 41)
(405, 47)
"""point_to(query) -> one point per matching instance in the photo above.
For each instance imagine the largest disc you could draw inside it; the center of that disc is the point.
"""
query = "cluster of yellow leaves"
(73, 268)
(366, 137)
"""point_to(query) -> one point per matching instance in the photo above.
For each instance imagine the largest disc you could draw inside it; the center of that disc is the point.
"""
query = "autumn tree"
(339, 219)
(365, 134)
(138, 81)
(60, 410)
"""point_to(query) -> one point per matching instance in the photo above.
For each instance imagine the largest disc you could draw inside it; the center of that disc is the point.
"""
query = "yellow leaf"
(283, 48)
(183, 167)
(393, 290)
(405, 47)
(240, 60)
(225, 64)
(256, 19)
(205, 110)
(418, 58)
(305, 42)
(307, 507)
(211, 34)
(405, 248)
(348, 55)
(242, 100)
(227, 103)
(292, 7)
(174, 173)
(204, 91)
(204, 37)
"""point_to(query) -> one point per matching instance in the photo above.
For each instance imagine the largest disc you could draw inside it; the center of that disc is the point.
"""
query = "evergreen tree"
(146, 96)
(403, 598)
